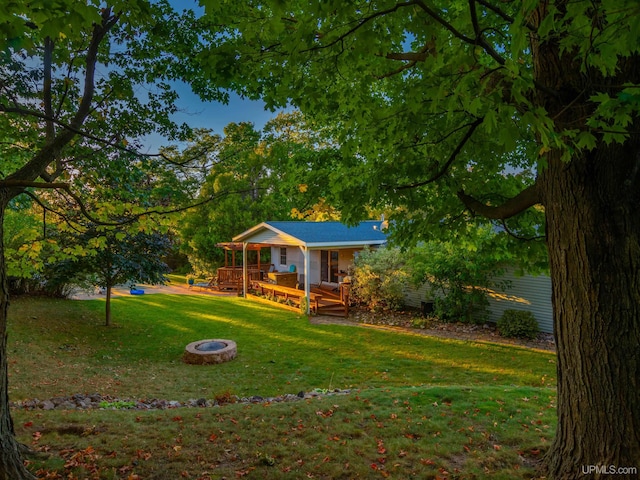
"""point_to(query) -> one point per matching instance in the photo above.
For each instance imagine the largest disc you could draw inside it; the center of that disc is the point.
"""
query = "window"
(283, 256)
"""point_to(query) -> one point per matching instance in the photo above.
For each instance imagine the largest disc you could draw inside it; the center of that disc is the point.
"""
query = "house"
(314, 252)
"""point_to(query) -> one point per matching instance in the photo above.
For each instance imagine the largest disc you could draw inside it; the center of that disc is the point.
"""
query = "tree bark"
(593, 234)
(11, 464)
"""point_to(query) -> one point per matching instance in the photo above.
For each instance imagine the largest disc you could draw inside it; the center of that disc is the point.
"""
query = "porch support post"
(245, 270)
(307, 285)
(259, 267)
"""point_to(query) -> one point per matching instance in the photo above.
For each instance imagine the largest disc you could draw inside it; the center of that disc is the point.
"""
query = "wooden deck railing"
(287, 293)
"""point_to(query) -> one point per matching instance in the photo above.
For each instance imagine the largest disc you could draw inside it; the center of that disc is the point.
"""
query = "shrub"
(518, 323)
(379, 279)
(466, 305)
(304, 304)
(458, 274)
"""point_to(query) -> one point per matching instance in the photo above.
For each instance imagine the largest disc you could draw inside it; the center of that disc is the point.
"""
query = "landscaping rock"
(95, 401)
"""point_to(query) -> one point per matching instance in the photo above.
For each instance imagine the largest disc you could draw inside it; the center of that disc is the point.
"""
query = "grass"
(420, 406)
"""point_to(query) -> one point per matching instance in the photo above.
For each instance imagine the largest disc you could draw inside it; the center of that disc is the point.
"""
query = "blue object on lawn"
(136, 291)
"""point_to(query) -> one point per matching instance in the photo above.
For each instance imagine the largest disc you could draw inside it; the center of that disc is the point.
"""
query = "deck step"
(336, 310)
(332, 313)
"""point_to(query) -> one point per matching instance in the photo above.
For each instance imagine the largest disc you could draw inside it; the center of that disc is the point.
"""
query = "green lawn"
(436, 405)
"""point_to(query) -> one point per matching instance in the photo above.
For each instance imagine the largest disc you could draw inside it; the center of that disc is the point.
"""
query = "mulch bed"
(413, 321)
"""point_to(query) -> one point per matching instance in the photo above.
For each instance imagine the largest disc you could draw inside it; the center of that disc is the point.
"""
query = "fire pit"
(204, 352)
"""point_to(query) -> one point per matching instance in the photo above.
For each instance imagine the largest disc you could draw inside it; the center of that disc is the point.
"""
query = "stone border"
(194, 356)
(95, 401)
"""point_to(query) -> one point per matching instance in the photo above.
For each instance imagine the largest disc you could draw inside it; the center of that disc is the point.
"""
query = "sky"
(212, 115)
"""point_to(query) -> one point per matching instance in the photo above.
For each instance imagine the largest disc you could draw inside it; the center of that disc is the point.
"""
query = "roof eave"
(354, 243)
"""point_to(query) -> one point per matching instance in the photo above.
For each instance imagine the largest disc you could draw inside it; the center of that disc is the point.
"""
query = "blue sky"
(212, 115)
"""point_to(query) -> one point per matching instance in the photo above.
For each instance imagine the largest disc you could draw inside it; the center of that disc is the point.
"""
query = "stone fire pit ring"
(205, 352)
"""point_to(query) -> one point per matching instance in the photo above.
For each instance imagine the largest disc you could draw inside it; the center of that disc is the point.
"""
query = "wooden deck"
(230, 278)
(323, 301)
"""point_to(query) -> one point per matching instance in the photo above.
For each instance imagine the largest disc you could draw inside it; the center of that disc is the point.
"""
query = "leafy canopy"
(257, 173)
(431, 99)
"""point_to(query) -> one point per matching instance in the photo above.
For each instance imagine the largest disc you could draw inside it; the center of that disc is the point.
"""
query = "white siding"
(294, 257)
(413, 296)
(525, 293)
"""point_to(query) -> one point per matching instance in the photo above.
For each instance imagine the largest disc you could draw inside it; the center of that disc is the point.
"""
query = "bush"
(304, 304)
(466, 305)
(518, 323)
(458, 273)
(379, 279)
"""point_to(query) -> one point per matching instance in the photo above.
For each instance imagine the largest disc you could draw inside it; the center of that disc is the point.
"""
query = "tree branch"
(472, 128)
(65, 187)
(527, 198)
(46, 89)
(46, 208)
(518, 237)
(501, 13)
(361, 23)
(50, 151)
(82, 133)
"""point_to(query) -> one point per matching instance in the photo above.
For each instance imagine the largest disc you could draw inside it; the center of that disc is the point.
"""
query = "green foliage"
(64, 126)
(304, 305)
(457, 273)
(22, 246)
(518, 324)
(379, 279)
(125, 257)
(251, 176)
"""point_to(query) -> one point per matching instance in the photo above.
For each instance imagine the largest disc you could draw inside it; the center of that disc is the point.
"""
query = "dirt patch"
(413, 322)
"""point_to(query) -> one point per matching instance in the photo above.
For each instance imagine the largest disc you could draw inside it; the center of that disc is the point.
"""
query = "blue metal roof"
(367, 232)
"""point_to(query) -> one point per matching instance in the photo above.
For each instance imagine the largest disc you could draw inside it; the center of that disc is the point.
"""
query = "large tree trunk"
(11, 464)
(593, 234)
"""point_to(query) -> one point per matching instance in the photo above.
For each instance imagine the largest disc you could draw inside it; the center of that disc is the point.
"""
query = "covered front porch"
(230, 277)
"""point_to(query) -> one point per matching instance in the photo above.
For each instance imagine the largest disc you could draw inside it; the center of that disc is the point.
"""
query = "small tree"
(122, 258)
(380, 278)
(458, 273)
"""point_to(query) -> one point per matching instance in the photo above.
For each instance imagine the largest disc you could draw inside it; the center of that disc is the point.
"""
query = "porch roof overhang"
(237, 246)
